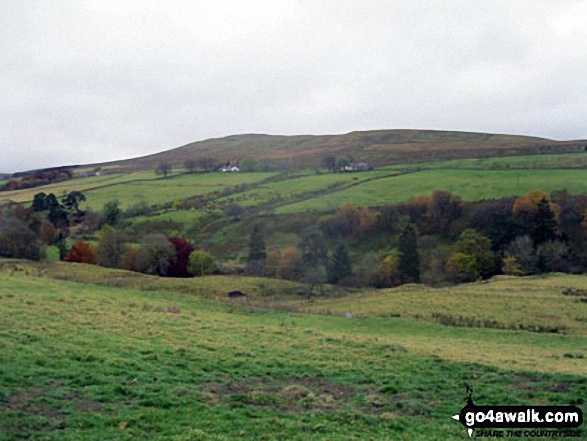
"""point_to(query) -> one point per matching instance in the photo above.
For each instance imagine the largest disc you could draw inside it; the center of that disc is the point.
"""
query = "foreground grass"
(86, 362)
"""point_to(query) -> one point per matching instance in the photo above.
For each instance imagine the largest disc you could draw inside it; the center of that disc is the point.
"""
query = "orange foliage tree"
(82, 252)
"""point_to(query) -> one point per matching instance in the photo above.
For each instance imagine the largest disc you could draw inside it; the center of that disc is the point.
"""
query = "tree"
(257, 252)
(156, 254)
(510, 267)
(329, 162)
(18, 241)
(47, 232)
(190, 165)
(40, 202)
(82, 252)
(72, 200)
(249, 164)
(544, 225)
(443, 209)
(409, 259)
(314, 258)
(340, 264)
(461, 268)
(57, 214)
(164, 168)
(553, 256)
(478, 246)
(201, 263)
(291, 264)
(206, 163)
(386, 273)
(234, 210)
(183, 249)
(522, 249)
(111, 212)
(112, 246)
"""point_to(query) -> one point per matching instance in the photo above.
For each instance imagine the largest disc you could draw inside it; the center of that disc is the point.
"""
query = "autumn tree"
(183, 249)
(386, 274)
(461, 268)
(291, 263)
(47, 232)
(82, 252)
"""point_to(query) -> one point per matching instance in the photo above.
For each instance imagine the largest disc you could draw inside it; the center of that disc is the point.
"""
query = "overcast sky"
(87, 81)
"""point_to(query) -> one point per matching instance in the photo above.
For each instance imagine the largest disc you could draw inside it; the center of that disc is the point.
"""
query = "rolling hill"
(379, 147)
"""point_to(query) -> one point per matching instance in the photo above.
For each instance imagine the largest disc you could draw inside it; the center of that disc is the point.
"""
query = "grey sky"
(95, 80)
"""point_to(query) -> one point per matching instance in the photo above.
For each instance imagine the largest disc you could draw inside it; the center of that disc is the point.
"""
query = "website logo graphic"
(518, 417)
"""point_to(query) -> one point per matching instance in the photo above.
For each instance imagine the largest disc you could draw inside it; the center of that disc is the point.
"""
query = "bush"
(155, 255)
(82, 252)
(201, 263)
(18, 241)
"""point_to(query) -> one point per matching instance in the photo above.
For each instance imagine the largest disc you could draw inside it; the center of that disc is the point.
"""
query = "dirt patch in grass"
(298, 395)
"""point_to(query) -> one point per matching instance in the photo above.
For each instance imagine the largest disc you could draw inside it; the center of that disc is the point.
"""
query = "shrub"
(82, 252)
(18, 241)
(201, 263)
(155, 255)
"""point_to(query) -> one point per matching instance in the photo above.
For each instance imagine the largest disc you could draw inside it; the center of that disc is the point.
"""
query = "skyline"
(103, 81)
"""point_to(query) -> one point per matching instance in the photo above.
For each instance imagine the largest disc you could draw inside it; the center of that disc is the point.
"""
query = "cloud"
(101, 80)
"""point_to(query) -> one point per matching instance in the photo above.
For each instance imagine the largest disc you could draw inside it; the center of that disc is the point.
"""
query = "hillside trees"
(82, 252)
(409, 259)
(314, 256)
(155, 255)
(112, 247)
(112, 213)
(257, 253)
(183, 249)
(201, 263)
(164, 168)
(18, 241)
(340, 264)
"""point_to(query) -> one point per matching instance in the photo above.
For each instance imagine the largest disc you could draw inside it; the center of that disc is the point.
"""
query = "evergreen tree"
(340, 264)
(257, 249)
(544, 228)
(257, 253)
(409, 260)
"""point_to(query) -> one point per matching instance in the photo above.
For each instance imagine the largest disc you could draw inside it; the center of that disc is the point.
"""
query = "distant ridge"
(377, 146)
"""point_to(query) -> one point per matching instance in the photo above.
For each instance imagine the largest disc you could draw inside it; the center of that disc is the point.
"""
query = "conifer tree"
(544, 223)
(340, 263)
(409, 260)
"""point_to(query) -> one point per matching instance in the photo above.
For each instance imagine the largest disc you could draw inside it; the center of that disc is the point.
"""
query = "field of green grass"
(471, 185)
(562, 160)
(81, 361)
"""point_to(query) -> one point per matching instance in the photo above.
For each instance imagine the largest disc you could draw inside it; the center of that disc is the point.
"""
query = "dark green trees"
(409, 260)
(340, 264)
(257, 253)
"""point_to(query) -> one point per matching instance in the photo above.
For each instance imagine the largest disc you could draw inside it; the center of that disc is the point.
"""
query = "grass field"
(469, 184)
(80, 361)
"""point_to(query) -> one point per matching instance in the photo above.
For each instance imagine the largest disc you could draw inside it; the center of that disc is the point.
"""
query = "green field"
(81, 361)
(471, 185)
